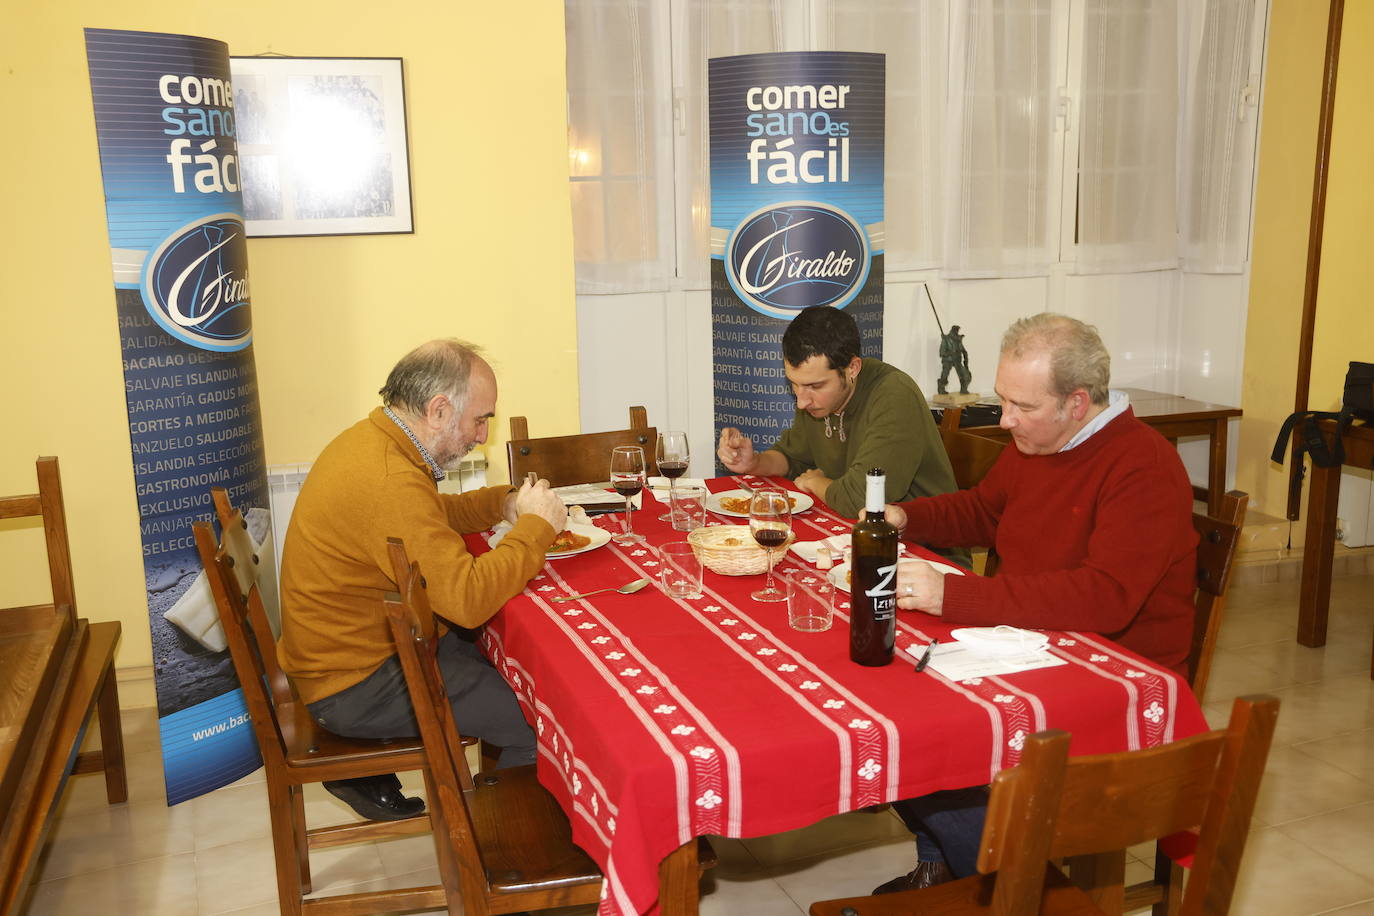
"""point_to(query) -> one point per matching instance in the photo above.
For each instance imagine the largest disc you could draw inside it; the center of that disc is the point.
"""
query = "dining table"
(663, 719)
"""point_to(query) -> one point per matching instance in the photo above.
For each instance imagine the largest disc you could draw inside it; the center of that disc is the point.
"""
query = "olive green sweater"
(887, 425)
(369, 484)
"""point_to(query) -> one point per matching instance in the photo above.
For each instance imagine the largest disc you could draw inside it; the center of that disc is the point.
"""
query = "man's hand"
(814, 482)
(895, 516)
(538, 499)
(736, 451)
(920, 587)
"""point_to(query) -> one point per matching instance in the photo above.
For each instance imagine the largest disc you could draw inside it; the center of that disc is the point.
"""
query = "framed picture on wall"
(322, 145)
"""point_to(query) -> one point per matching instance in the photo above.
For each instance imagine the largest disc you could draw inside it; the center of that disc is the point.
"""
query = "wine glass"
(770, 522)
(627, 477)
(674, 454)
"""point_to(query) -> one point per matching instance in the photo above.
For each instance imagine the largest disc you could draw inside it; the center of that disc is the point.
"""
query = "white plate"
(801, 502)
(600, 537)
(839, 575)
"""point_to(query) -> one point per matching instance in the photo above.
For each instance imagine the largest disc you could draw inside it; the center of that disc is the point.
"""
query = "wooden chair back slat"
(508, 846)
(242, 617)
(1025, 806)
(47, 504)
(1218, 539)
(412, 627)
(582, 458)
(244, 565)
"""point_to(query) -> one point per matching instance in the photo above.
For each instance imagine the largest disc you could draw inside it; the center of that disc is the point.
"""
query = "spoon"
(629, 588)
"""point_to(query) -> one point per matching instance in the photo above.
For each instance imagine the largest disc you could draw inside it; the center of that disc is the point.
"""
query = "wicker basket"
(730, 550)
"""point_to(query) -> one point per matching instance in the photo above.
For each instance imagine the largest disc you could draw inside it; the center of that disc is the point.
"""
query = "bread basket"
(730, 550)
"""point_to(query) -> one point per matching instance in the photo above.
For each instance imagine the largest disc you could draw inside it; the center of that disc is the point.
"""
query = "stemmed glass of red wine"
(770, 522)
(627, 477)
(673, 456)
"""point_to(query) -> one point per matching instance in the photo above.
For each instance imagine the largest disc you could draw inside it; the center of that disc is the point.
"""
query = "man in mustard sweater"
(378, 479)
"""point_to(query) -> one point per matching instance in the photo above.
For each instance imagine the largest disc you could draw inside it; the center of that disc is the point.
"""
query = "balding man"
(379, 479)
(1091, 514)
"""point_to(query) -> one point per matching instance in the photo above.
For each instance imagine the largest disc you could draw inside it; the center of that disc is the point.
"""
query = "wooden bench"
(56, 669)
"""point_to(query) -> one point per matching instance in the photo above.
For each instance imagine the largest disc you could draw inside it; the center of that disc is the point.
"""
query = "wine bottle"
(873, 583)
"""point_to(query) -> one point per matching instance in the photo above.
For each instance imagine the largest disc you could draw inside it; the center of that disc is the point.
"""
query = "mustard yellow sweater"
(369, 484)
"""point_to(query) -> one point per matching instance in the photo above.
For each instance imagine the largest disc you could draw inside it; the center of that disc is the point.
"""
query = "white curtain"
(1129, 138)
(619, 158)
(975, 133)
(1000, 194)
(713, 28)
(915, 38)
(1219, 135)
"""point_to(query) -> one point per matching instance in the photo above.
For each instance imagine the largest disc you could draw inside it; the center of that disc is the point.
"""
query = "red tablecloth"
(661, 719)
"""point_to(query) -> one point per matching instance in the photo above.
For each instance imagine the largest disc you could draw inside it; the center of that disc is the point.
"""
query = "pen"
(925, 656)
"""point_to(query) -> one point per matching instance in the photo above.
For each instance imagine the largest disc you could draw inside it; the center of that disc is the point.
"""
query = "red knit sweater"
(1098, 538)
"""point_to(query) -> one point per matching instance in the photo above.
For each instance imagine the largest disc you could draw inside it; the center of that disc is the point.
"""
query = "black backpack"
(1356, 404)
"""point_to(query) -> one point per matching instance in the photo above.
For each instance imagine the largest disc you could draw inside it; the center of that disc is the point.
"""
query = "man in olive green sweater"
(852, 414)
(378, 479)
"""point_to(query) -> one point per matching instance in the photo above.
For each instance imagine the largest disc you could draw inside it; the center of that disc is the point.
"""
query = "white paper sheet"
(958, 662)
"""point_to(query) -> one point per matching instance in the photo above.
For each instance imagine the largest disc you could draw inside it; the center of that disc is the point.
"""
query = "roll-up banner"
(164, 115)
(796, 216)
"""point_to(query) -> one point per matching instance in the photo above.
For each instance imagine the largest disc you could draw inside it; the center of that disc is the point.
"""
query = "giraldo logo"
(785, 257)
(195, 284)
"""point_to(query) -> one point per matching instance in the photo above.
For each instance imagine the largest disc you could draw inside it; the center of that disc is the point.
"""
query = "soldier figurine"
(954, 356)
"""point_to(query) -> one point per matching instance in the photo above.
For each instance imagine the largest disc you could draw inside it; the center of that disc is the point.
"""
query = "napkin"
(593, 494)
(1001, 641)
(662, 486)
(807, 549)
(839, 543)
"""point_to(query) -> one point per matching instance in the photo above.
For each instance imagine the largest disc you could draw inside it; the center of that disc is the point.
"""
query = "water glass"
(810, 602)
(681, 570)
(688, 508)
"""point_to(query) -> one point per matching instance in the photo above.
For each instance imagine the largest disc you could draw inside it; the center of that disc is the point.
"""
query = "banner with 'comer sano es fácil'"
(164, 113)
(796, 216)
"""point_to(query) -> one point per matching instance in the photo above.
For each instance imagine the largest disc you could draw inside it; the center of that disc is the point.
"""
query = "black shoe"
(377, 798)
(925, 874)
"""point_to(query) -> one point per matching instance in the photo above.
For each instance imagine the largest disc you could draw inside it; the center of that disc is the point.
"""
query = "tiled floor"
(1311, 850)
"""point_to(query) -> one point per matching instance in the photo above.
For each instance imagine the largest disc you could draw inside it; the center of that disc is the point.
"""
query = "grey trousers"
(483, 704)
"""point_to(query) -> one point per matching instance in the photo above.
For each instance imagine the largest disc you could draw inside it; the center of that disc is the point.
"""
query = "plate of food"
(576, 539)
(735, 503)
(839, 575)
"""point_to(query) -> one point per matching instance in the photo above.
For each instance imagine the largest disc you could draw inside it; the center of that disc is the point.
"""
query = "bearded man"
(379, 479)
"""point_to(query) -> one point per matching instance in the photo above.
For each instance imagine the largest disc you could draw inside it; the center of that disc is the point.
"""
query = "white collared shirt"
(1117, 402)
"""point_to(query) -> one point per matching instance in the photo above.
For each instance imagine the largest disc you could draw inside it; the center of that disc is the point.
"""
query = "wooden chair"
(970, 456)
(1052, 806)
(57, 670)
(1218, 537)
(583, 458)
(506, 844)
(296, 751)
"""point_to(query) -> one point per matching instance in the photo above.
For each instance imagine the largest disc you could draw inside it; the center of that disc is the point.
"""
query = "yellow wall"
(1345, 306)
(490, 261)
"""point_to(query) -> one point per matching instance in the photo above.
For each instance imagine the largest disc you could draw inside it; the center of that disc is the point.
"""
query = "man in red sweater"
(1091, 514)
